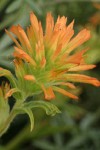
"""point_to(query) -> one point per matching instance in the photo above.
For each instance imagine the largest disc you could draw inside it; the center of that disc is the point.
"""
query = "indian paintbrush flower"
(45, 60)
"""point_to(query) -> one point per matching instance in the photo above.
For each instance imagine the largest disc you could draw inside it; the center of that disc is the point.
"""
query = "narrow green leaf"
(6, 73)
(5, 41)
(34, 6)
(6, 58)
(9, 19)
(49, 108)
(31, 117)
(28, 111)
(14, 6)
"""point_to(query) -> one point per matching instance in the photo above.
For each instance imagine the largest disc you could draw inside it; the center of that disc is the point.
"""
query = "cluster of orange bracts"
(49, 56)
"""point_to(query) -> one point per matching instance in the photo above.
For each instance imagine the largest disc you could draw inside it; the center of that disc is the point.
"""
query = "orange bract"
(47, 57)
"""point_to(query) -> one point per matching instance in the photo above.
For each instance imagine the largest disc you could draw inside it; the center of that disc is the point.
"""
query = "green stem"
(7, 123)
(12, 115)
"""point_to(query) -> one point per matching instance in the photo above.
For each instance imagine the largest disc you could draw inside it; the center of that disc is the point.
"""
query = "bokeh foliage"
(78, 126)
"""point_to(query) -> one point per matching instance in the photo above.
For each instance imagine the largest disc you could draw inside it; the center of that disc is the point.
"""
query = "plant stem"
(7, 123)
(12, 115)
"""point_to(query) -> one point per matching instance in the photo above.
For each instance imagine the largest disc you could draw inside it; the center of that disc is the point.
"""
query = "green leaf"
(6, 73)
(14, 6)
(34, 6)
(49, 108)
(28, 111)
(9, 19)
(5, 42)
(4, 113)
(30, 114)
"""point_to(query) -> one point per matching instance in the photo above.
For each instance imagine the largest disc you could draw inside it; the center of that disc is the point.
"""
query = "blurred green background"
(78, 126)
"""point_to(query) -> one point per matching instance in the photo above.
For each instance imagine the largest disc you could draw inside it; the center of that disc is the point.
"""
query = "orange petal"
(62, 91)
(29, 77)
(57, 51)
(82, 78)
(34, 22)
(40, 33)
(54, 40)
(67, 38)
(70, 85)
(81, 37)
(15, 30)
(39, 51)
(21, 54)
(10, 92)
(25, 39)
(67, 35)
(43, 62)
(18, 63)
(31, 36)
(49, 25)
(16, 42)
(60, 24)
(82, 67)
(77, 57)
(70, 26)
(48, 92)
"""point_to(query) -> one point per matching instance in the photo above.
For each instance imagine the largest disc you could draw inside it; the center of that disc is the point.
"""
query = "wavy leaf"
(49, 108)
(28, 111)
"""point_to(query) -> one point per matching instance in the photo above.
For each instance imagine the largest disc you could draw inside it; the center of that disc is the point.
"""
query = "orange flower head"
(44, 60)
